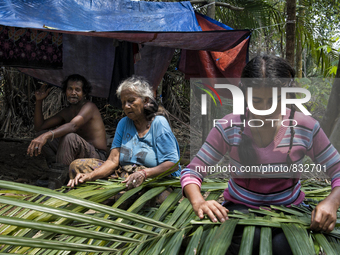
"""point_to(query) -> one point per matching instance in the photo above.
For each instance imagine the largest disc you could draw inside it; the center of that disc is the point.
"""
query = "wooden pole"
(290, 31)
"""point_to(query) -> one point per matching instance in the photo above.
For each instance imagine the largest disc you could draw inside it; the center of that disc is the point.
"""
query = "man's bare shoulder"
(89, 106)
(89, 109)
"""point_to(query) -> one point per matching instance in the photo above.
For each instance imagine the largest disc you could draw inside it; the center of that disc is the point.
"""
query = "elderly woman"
(143, 140)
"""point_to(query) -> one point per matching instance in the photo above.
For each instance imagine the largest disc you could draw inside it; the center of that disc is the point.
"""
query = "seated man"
(77, 131)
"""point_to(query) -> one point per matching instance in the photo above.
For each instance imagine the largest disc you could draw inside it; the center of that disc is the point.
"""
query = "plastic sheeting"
(215, 64)
(159, 25)
(99, 15)
(91, 57)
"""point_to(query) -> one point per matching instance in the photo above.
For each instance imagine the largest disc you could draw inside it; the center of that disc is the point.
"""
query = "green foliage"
(334, 52)
(316, 26)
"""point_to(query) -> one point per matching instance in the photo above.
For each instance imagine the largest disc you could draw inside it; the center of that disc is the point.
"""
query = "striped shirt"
(272, 180)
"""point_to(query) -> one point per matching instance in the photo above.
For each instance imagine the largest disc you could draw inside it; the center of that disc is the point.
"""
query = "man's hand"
(324, 216)
(42, 93)
(134, 180)
(80, 178)
(34, 149)
(212, 208)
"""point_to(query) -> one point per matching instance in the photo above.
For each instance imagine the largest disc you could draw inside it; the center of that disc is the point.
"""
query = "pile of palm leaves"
(36, 220)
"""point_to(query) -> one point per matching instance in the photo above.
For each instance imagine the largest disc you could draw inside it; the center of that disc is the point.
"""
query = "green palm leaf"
(82, 202)
(247, 239)
(192, 248)
(68, 230)
(222, 238)
(298, 239)
(266, 241)
(322, 240)
(47, 244)
(75, 216)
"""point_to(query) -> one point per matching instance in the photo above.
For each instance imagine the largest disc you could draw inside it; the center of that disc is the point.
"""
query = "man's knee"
(71, 147)
(68, 138)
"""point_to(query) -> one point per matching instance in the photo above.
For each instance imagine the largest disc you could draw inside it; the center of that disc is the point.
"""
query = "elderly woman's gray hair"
(138, 85)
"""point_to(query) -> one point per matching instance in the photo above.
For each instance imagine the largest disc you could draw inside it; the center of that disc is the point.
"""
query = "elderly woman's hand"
(79, 178)
(134, 180)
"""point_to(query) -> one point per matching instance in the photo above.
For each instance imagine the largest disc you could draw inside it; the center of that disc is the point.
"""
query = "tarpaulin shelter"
(54, 38)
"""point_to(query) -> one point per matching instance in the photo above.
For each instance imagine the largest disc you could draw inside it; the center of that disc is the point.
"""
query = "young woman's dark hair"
(87, 88)
(268, 71)
(152, 109)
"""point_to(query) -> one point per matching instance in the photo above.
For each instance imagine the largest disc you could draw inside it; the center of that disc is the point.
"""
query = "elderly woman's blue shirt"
(155, 147)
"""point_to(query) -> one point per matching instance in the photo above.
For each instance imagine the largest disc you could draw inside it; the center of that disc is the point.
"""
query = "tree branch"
(234, 8)
(231, 7)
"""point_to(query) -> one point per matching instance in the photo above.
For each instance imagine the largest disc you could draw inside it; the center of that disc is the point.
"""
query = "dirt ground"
(16, 166)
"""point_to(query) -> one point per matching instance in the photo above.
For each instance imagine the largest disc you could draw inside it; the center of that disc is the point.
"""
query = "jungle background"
(306, 33)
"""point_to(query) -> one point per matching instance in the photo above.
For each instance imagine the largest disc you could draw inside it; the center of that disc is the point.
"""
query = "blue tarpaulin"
(91, 30)
(99, 15)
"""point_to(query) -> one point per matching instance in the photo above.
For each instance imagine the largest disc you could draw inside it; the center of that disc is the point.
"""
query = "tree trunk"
(298, 57)
(332, 112)
(281, 46)
(304, 63)
(211, 9)
(299, 39)
(290, 31)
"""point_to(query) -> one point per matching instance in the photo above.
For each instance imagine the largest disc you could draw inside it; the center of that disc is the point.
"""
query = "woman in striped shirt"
(275, 148)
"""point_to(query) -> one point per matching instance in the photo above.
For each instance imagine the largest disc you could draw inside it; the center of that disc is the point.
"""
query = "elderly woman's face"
(132, 104)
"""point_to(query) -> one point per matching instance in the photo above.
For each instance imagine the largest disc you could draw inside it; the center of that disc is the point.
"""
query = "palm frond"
(35, 220)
